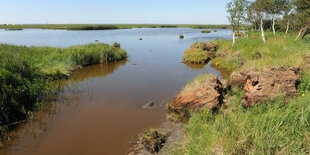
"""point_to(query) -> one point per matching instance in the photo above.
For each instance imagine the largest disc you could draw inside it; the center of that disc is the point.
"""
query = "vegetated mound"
(153, 140)
(200, 52)
(205, 31)
(205, 91)
(26, 73)
(269, 84)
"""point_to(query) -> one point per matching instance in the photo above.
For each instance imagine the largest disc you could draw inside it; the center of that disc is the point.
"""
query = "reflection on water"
(96, 70)
(195, 66)
(99, 109)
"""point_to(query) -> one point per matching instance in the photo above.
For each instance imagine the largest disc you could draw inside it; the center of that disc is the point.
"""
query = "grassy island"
(205, 31)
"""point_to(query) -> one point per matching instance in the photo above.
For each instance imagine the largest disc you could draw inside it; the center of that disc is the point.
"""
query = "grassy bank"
(271, 128)
(112, 26)
(27, 72)
(280, 126)
(253, 53)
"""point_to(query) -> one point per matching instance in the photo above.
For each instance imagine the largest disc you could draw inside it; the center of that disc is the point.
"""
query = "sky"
(113, 12)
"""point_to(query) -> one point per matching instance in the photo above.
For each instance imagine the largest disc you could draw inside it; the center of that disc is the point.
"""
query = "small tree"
(303, 17)
(288, 16)
(237, 12)
(261, 8)
(277, 8)
(252, 17)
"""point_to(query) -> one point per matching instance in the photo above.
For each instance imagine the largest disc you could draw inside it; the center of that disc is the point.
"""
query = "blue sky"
(113, 11)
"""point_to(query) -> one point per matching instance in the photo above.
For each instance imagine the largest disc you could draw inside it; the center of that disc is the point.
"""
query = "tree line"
(275, 15)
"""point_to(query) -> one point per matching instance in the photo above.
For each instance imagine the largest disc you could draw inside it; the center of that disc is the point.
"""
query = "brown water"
(99, 109)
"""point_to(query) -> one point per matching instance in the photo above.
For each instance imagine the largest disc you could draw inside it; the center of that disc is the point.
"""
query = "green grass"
(112, 26)
(27, 72)
(252, 53)
(276, 127)
(197, 53)
(196, 56)
(280, 126)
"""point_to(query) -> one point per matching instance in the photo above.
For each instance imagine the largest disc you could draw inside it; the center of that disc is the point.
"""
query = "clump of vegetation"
(101, 27)
(205, 31)
(181, 36)
(27, 72)
(13, 29)
(153, 140)
(117, 45)
(214, 30)
(239, 34)
(200, 52)
(167, 26)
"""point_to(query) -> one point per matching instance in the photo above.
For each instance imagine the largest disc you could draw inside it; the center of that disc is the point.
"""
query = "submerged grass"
(253, 53)
(26, 73)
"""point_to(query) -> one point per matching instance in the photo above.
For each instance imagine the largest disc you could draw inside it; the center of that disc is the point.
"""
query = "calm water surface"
(99, 109)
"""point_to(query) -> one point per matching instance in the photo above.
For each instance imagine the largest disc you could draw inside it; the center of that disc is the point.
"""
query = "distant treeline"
(110, 26)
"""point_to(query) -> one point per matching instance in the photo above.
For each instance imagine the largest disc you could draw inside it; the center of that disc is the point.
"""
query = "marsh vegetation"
(26, 73)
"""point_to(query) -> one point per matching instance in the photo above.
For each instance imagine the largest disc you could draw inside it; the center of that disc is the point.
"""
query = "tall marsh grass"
(26, 73)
